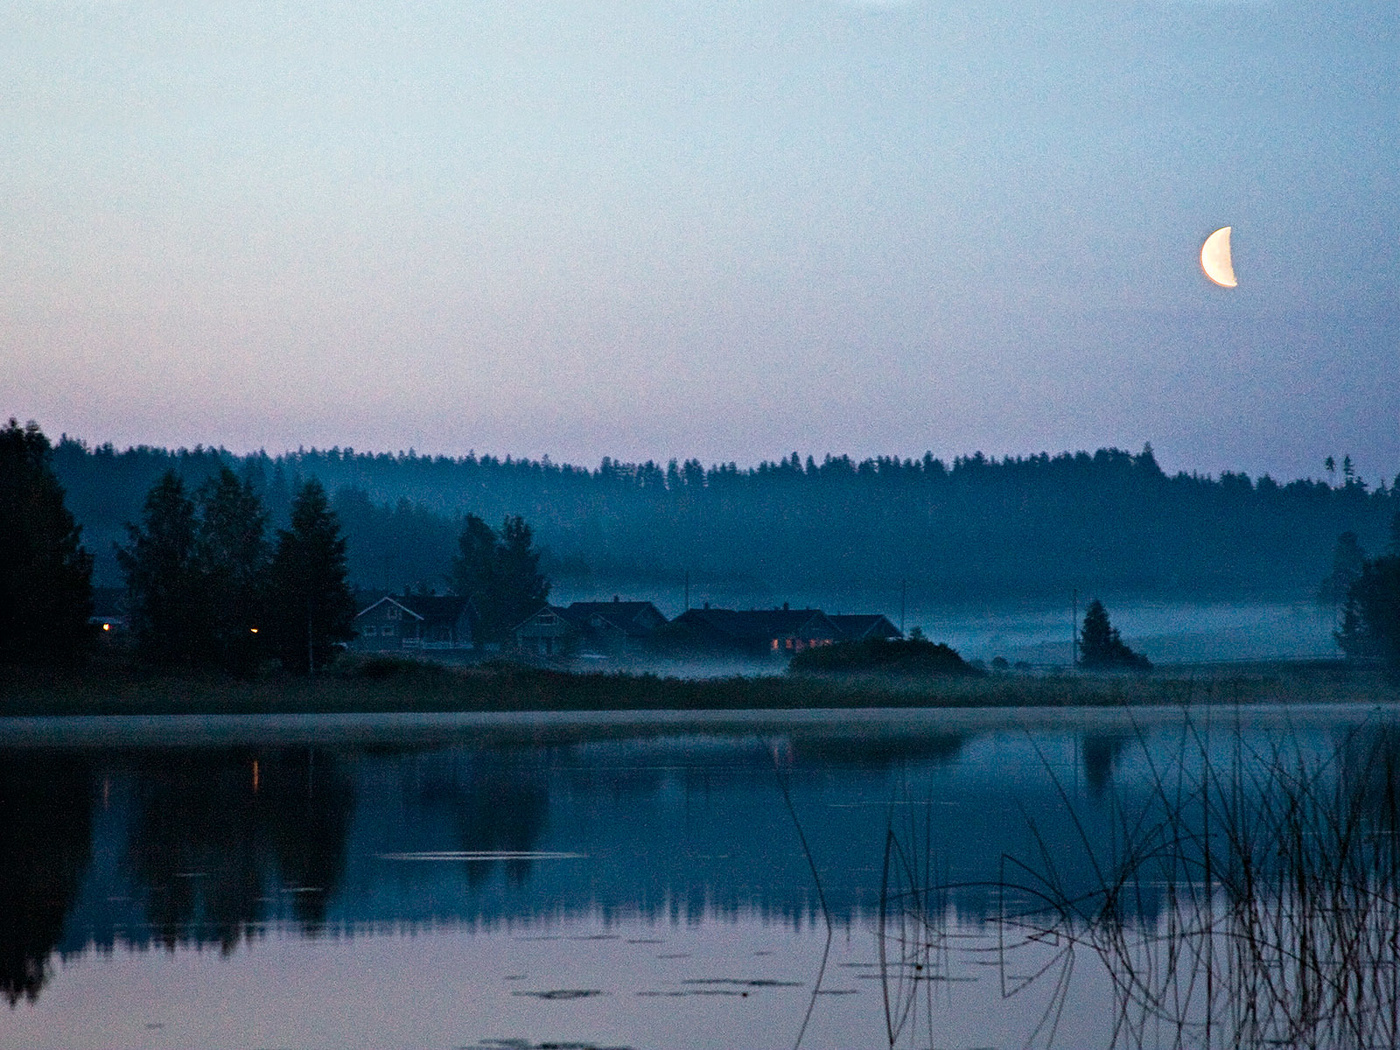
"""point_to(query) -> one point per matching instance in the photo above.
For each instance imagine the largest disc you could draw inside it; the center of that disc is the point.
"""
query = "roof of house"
(556, 610)
(864, 625)
(636, 619)
(430, 608)
(759, 625)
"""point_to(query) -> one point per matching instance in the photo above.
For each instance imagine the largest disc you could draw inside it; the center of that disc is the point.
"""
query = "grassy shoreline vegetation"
(1250, 897)
(393, 685)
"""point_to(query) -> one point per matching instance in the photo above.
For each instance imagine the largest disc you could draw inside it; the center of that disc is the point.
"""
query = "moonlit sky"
(725, 229)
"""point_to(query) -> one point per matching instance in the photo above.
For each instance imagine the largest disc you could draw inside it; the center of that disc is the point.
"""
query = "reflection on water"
(45, 844)
(219, 839)
(590, 888)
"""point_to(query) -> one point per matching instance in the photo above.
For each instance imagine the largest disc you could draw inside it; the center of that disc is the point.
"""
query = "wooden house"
(857, 628)
(605, 628)
(414, 621)
(754, 632)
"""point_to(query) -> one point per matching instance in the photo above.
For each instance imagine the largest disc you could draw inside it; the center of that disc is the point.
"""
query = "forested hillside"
(973, 529)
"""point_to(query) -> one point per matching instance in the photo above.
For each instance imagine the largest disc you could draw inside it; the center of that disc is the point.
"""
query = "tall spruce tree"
(45, 573)
(1371, 618)
(1101, 647)
(500, 573)
(168, 611)
(1348, 559)
(231, 561)
(310, 607)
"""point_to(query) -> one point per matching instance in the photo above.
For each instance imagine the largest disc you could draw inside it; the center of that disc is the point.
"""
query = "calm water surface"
(581, 881)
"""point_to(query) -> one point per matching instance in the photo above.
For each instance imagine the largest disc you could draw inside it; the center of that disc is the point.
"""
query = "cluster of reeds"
(1252, 899)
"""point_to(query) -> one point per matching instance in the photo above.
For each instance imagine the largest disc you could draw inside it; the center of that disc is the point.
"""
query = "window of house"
(368, 631)
(386, 630)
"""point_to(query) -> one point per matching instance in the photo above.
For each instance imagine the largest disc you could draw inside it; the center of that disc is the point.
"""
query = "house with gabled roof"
(416, 622)
(857, 628)
(606, 628)
(754, 632)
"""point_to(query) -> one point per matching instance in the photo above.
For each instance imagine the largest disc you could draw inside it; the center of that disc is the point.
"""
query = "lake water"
(738, 880)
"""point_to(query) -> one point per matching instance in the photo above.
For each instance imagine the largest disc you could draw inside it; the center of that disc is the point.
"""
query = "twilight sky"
(716, 228)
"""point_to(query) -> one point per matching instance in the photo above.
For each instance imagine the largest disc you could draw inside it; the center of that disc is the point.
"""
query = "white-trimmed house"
(612, 628)
(414, 621)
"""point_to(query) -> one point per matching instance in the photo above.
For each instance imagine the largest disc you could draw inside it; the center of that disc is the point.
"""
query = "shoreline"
(349, 729)
(417, 690)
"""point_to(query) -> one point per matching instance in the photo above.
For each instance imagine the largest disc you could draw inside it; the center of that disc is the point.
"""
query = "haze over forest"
(974, 529)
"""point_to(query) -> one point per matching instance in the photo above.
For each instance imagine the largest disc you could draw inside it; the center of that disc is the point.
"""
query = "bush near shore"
(901, 656)
(384, 685)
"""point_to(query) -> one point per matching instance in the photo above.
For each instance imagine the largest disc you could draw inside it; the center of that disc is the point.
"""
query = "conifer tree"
(1101, 647)
(310, 607)
(165, 602)
(45, 573)
(500, 573)
(1371, 618)
(231, 561)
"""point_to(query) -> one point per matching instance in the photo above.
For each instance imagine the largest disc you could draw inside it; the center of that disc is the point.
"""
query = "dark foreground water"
(740, 881)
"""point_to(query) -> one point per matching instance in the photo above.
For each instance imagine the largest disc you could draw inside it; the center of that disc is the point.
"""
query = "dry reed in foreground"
(1252, 900)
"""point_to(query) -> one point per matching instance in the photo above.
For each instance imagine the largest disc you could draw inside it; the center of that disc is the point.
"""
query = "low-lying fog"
(1168, 632)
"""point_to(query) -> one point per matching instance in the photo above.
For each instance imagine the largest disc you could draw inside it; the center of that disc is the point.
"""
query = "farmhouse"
(755, 632)
(610, 628)
(866, 625)
(414, 621)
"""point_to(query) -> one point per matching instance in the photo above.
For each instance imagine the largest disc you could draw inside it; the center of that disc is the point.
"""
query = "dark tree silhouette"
(521, 588)
(1100, 647)
(45, 574)
(231, 561)
(500, 573)
(1371, 619)
(1348, 560)
(310, 607)
(474, 567)
(45, 848)
(973, 527)
(167, 608)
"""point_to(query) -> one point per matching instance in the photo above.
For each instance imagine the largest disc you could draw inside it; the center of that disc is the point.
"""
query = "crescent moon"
(1215, 258)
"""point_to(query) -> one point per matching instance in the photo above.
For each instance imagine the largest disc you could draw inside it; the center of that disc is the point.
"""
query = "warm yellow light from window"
(253, 630)
(106, 626)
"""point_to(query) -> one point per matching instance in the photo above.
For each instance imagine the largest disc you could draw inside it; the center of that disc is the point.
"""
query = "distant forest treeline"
(978, 528)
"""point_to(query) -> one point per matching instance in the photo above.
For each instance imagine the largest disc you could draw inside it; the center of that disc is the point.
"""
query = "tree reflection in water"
(494, 803)
(45, 845)
(219, 836)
